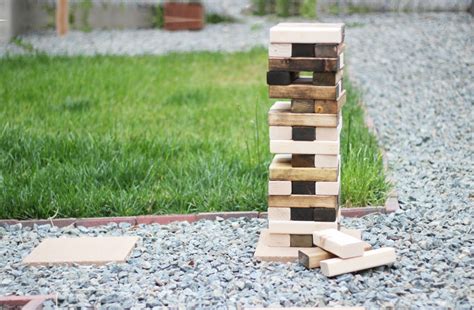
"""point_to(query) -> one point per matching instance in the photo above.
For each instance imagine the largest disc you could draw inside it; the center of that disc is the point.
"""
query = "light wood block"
(338, 243)
(311, 259)
(326, 161)
(302, 201)
(356, 233)
(307, 33)
(311, 64)
(280, 115)
(327, 188)
(281, 170)
(280, 132)
(329, 133)
(305, 91)
(279, 240)
(370, 259)
(298, 227)
(304, 147)
(279, 188)
(279, 50)
(279, 214)
(82, 250)
(276, 254)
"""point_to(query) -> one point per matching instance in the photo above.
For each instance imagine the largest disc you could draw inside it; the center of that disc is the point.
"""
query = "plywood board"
(281, 170)
(82, 250)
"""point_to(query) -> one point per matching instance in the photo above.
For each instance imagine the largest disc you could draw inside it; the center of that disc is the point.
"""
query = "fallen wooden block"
(311, 259)
(304, 241)
(298, 227)
(304, 147)
(279, 188)
(370, 259)
(338, 243)
(302, 201)
(279, 240)
(318, 106)
(303, 188)
(281, 170)
(305, 91)
(280, 50)
(278, 77)
(307, 33)
(281, 132)
(280, 115)
(326, 50)
(327, 78)
(279, 214)
(306, 64)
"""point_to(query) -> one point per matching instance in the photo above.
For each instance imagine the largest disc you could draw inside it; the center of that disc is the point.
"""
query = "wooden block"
(324, 214)
(307, 33)
(303, 91)
(83, 250)
(305, 241)
(300, 133)
(327, 50)
(302, 50)
(326, 161)
(327, 188)
(281, 170)
(279, 214)
(280, 50)
(304, 147)
(279, 240)
(327, 78)
(303, 188)
(302, 105)
(306, 64)
(329, 133)
(298, 227)
(373, 258)
(356, 233)
(281, 77)
(277, 254)
(302, 201)
(279, 187)
(301, 214)
(338, 243)
(311, 258)
(280, 132)
(302, 160)
(280, 115)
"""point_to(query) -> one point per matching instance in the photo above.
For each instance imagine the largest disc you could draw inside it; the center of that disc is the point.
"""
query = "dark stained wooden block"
(303, 188)
(302, 160)
(327, 78)
(302, 50)
(301, 241)
(302, 106)
(328, 50)
(304, 64)
(303, 88)
(303, 133)
(281, 77)
(324, 214)
(302, 214)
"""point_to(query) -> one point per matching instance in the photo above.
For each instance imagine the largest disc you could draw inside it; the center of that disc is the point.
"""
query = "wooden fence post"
(62, 16)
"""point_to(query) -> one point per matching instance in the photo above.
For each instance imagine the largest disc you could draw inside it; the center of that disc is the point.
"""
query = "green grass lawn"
(103, 136)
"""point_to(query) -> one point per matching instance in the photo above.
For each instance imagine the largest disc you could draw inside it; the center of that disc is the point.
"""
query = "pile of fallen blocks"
(306, 62)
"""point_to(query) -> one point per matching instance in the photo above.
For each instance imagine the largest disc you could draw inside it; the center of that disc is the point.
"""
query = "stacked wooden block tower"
(304, 132)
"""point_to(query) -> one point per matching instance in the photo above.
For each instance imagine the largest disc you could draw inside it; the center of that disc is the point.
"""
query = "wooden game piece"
(279, 214)
(281, 170)
(279, 240)
(280, 132)
(306, 64)
(302, 50)
(280, 115)
(302, 105)
(301, 214)
(327, 188)
(298, 227)
(279, 187)
(324, 214)
(281, 77)
(327, 78)
(303, 91)
(302, 201)
(370, 259)
(280, 50)
(327, 50)
(326, 161)
(300, 133)
(356, 233)
(303, 188)
(304, 147)
(330, 106)
(329, 133)
(307, 33)
(301, 241)
(338, 243)
(302, 160)
(311, 258)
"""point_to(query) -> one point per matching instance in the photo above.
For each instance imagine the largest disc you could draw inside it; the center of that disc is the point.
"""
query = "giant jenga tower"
(305, 68)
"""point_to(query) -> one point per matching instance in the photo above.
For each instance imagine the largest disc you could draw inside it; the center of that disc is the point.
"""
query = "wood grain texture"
(302, 160)
(304, 241)
(303, 91)
(302, 201)
(311, 258)
(305, 64)
(304, 147)
(303, 188)
(62, 17)
(280, 115)
(328, 50)
(338, 243)
(298, 227)
(281, 170)
(279, 240)
(302, 105)
(331, 33)
(327, 78)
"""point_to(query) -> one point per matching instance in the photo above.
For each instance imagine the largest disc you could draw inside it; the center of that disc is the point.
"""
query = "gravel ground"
(416, 72)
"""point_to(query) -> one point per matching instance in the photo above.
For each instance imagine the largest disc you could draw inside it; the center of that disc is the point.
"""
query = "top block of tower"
(311, 33)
